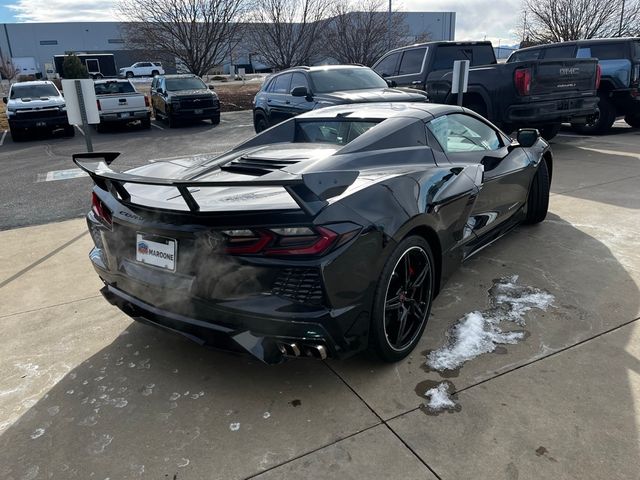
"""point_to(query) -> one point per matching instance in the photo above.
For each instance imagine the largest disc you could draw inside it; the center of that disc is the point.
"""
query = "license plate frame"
(125, 115)
(157, 251)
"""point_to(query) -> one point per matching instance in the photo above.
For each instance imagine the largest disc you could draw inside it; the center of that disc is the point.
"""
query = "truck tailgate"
(562, 76)
(121, 102)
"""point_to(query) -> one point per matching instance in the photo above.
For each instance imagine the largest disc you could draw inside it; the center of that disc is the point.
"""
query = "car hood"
(192, 93)
(36, 103)
(373, 95)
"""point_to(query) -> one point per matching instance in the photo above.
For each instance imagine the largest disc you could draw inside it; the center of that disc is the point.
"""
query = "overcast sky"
(495, 19)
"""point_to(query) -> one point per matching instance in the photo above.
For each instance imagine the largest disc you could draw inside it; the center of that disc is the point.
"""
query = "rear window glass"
(565, 51)
(336, 132)
(113, 87)
(412, 61)
(524, 56)
(33, 91)
(605, 51)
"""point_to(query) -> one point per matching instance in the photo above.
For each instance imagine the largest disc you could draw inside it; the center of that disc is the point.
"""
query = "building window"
(115, 40)
(48, 42)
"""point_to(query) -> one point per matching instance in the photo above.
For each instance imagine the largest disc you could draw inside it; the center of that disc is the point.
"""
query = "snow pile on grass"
(479, 332)
(439, 398)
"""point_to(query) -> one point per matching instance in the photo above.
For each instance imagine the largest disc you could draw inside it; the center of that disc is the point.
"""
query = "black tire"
(100, 127)
(171, 121)
(538, 199)
(129, 75)
(18, 134)
(550, 131)
(601, 122)
(215, 120)
(154, 73)
(413, 302)
(69, 131)
(98, 76)
(146, 123)
(633, 120)
(260, 123)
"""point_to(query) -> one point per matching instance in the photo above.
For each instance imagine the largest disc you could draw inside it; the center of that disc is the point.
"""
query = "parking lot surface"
(87, 393)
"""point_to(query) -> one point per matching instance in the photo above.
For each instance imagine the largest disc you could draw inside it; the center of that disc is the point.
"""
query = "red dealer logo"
(143, 248)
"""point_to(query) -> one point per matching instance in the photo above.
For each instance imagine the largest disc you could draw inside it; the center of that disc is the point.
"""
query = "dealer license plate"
(156, 251)
(198, 111)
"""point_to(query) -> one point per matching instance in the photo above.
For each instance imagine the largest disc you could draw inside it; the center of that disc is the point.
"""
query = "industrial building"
(32, 46)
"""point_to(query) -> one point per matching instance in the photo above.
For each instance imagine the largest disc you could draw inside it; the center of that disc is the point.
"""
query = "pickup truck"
(119, 102)
(619, 91)
(35, 106)
(534, 93)
(183, 98)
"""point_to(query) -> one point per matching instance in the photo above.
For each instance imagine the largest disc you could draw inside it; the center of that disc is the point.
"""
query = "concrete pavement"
(86, 393)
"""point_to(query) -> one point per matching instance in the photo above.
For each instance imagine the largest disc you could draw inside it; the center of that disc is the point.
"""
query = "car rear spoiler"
(309, 190)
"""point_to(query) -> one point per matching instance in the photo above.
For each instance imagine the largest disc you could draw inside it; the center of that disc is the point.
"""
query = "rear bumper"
(125, 116)
(553, 111)
(261, 324)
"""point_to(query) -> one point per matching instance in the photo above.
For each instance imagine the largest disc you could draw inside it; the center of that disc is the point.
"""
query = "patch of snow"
(266, 415)
(99, 445)
(185, 462)
(174, 396)
(37, 433)
(53, 411)
(234, 427)
(439, 398)
(480, 332)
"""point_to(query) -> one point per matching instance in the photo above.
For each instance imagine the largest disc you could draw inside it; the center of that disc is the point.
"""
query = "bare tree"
(564, 20)
(199, 33)
(358, 31)
(8, 69)
(286, 33)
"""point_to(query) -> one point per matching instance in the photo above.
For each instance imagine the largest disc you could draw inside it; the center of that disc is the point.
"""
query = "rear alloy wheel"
(538, 199)
(550, 131)
(129, 75)
(260, 123)
(403, 300)
(69, 131)
(633, 120)
(601, 121)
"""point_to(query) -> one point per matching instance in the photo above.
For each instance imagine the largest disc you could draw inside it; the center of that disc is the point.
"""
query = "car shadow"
(153, 404)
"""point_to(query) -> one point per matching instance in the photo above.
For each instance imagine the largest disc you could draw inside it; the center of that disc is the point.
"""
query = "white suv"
(142, 69)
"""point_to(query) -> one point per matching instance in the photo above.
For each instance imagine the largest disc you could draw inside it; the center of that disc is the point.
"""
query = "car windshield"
(339, 79)
(113, 87)
(186, 83)
(33, 91)
(336, 132)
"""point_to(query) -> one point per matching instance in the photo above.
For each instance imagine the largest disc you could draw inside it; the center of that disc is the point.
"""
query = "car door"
(297, 105)
(144, 68)
(159, 97)
(410, 71)
(278, 95)
(466, 139)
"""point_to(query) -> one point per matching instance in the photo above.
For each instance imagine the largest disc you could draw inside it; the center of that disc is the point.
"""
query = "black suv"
(180, 98)
(300, 89)
(619, 90)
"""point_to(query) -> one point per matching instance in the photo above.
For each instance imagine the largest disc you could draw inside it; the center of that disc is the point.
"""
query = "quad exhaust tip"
(295, 350)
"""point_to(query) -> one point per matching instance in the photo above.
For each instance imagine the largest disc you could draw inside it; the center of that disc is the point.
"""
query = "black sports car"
(325, 235)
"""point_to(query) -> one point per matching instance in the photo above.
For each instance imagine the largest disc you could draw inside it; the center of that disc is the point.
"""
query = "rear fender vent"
(301, 285)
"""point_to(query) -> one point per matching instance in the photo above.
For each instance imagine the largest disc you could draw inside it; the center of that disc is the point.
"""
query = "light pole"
(389, 26)
(621, 16)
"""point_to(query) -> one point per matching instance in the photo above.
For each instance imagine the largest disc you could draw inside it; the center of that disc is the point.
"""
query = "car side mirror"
(299, 91)
(527, 137)
(211, 87)
(4, 99)
(159, 90)
(392, 83)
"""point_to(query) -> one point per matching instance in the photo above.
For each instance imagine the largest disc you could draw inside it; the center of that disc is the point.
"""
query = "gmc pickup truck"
(35, 106)
(534, 93)
(119, 102)
(619, 90)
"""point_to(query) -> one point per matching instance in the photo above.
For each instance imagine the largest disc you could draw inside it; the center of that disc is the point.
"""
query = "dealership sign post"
(460, 78)
(82, 106)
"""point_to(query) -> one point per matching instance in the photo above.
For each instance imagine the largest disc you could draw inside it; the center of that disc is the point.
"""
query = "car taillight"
(287, 241)
(146, 101)
(598, 76)
(522, 79)
(100, 210)
(99, 107)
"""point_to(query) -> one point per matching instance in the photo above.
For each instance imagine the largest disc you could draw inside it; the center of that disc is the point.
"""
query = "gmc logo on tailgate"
(570, 71)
